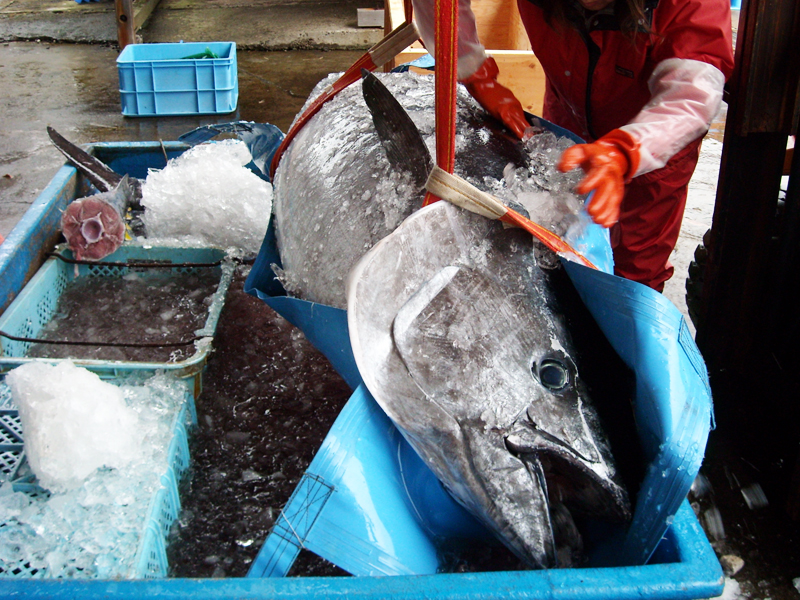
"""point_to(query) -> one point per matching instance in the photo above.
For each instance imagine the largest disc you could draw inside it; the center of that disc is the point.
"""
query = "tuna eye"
(553, 374)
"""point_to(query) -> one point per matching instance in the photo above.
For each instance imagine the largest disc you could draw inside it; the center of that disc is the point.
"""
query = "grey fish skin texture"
(459, 340)
(337, 194)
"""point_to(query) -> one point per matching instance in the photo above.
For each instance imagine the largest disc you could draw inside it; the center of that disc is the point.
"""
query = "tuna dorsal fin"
(402, 141)
(101, 176)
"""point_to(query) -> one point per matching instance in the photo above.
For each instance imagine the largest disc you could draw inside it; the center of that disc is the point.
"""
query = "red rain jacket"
(596, 77)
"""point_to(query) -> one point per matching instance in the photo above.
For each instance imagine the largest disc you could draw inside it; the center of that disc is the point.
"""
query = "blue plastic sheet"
(673, 413)
(368, 501)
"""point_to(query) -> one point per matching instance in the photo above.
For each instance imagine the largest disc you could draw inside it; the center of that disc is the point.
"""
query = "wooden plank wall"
(502, 33)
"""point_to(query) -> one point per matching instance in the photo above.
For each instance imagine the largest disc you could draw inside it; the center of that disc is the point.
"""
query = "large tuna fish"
(452, 322)
(460, 341)
(338, 192)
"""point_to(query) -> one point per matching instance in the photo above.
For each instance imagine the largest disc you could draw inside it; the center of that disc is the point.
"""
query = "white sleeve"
(471, 53)
(685, 97)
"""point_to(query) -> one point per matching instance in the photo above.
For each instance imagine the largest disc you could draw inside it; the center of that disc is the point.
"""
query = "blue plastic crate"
(37, 302)
(151, 557)
(161, 79)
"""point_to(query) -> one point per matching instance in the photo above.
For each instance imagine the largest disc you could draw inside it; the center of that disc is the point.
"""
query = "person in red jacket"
(641, 81)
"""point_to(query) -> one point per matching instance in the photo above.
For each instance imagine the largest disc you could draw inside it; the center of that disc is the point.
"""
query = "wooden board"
(501, 32)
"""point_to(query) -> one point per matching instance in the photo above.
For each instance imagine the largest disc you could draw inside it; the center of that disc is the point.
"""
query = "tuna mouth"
(584, 486)
(92, 229)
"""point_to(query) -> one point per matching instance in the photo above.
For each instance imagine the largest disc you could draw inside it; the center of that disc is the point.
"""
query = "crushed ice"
(336, 195)
(101, 450)
(208, 197)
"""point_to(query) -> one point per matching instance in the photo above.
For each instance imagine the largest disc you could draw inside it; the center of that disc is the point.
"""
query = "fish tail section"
(97, 172)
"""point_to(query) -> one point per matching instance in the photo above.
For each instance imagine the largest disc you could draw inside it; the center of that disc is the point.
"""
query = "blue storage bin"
(38, 300)
(161, 79)
(672, 411)
(151, 556)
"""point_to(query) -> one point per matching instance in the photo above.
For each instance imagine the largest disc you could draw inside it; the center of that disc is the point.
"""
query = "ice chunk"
(731, 591)
(94, 530)
(73, 423)
(208, 197)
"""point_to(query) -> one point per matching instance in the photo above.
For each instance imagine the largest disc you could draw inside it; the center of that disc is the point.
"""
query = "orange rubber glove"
(499, 101)
(609, 163)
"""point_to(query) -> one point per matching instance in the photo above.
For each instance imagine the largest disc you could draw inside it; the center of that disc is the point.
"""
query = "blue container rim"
(127, 56)
(697, 575)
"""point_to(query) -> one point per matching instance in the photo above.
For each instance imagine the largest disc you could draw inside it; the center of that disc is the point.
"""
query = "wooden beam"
(131, 18)
(142, 12)
(763, 102)
(749, 323)
(766, 76)
(126, 33)
(501, 32)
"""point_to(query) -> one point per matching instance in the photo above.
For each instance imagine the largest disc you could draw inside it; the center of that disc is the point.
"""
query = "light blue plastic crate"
(36, 304)
(151, 558)
(159, 79)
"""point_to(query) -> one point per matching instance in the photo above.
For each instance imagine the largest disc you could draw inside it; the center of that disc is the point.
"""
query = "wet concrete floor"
(74, 88)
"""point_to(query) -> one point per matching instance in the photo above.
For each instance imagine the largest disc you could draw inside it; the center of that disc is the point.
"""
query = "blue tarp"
(672, 410)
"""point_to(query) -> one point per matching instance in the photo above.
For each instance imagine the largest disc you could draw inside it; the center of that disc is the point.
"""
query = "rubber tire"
(696, 278)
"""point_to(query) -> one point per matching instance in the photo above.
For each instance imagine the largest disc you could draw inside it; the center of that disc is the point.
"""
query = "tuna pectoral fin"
(518, 502)
(401, 140)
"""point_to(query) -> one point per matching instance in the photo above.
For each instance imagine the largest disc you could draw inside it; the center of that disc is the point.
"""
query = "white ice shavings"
(208, 197)
(599, 465)
(95, 529)
(555, 343)
(74, 423)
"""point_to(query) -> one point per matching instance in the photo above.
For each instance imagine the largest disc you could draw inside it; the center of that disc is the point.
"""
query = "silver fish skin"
(337, 194)
(459, 339)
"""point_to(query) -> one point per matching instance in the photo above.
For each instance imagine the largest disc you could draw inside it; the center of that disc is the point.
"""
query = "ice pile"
(104, 449)
(207, 197)
(73, 423)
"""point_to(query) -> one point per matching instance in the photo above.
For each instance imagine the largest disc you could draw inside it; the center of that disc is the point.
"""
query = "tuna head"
(458, 338)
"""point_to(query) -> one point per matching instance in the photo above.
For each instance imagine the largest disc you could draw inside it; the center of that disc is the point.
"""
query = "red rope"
(446, 79)
(350, 76)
